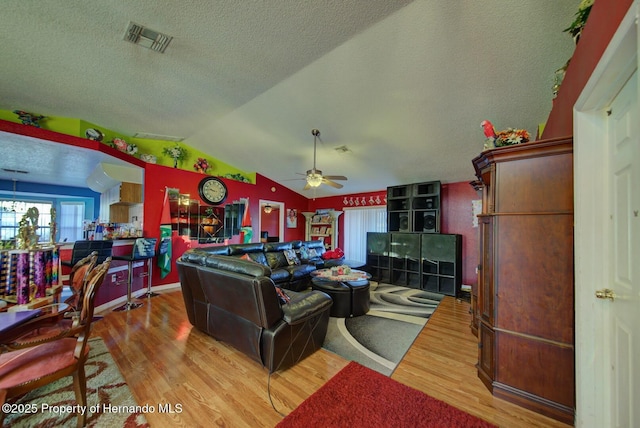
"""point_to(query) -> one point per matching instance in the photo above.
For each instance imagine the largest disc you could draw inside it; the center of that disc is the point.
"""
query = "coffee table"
(349, 292)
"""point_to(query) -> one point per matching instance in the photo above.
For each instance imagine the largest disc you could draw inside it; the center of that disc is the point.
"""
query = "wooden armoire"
(525, 304)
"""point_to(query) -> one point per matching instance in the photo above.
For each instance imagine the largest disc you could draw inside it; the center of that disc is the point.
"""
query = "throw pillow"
(291, 257)
(282, 296)
(276, 259)
(312, 253)
(245, 257)
(304, 254)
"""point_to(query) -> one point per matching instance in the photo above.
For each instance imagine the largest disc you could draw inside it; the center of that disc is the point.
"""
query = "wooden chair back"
(78, 278)
(38, 363)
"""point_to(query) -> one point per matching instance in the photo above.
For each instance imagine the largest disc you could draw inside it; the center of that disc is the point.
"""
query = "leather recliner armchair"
(235, 301)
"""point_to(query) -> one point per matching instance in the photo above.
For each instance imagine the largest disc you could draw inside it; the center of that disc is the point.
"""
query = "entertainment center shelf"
(414, 207)
(427, 261)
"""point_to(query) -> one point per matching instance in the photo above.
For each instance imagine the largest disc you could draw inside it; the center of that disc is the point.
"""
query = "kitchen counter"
(114, 287)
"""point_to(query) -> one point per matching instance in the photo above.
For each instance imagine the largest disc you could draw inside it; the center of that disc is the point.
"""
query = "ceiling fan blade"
(335, 177)
(306, 187)
(331, 183)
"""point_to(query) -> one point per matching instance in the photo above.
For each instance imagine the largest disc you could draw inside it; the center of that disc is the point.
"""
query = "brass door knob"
(605, 294)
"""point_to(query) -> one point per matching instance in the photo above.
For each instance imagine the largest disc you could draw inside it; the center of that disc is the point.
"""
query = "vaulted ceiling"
(402, 84)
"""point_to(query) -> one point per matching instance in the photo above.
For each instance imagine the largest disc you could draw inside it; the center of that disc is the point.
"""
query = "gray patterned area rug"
(380, 339)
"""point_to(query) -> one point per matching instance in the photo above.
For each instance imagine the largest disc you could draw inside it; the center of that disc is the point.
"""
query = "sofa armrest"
(303, 306)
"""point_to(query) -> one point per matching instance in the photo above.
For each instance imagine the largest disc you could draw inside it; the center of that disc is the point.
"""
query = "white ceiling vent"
(146, 37)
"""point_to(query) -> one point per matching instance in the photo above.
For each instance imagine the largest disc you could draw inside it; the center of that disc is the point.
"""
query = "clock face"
(212, 190)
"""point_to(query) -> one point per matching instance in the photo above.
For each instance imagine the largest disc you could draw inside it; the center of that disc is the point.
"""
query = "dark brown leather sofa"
(295, 277)
(235, 301)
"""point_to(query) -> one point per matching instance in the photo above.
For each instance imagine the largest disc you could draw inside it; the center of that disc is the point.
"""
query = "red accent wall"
(159, 177)
(456, 217)
(339, 203)
(270, 222)
(604, 19)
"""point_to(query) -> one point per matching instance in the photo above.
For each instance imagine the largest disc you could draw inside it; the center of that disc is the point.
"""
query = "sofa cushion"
(280, 275)
(277, 246)
(234, 264)
(252, 247)
(254, 257)
(276, 259)
(303, 306)
(299, 271)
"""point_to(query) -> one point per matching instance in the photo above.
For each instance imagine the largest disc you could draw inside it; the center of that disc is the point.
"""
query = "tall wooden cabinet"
(526, 283)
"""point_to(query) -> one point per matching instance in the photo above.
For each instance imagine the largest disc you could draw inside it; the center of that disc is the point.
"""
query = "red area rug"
(360, 397)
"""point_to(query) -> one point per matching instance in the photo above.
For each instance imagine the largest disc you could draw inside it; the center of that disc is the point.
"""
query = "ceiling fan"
(314, 176)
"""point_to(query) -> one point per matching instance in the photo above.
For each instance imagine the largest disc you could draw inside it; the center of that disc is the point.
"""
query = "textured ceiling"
(403, 84)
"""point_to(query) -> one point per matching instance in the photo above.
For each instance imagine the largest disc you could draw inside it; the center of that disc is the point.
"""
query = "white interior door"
(607, 192)
(622, 308)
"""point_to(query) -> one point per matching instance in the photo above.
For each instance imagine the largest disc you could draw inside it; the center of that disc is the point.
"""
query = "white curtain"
(70, 220)
(357, 222)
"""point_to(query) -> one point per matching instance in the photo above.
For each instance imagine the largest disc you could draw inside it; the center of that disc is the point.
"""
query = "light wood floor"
(167, 361)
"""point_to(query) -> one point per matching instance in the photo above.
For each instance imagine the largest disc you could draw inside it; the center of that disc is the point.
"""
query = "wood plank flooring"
(167, 361)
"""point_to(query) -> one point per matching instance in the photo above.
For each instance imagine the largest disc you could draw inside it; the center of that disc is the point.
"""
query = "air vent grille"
(145, 37)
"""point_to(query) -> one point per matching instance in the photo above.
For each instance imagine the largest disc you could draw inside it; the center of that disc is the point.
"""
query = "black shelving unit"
(398, 208)
(405, 259)
(414, 207)
(427, 261)
(378, 256)
(441, 260)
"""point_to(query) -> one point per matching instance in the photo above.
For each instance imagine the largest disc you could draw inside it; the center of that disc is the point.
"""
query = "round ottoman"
(339, 292)
(360, 300)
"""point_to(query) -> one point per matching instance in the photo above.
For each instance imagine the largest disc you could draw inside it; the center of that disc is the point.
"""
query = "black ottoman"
(360, 300)
(350, 299)
(339, 292)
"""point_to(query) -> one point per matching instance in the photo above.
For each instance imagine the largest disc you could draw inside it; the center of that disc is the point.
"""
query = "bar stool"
(82, 249)
(143, 249)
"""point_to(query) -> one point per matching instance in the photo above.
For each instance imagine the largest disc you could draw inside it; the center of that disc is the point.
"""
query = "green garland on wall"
(155, 151)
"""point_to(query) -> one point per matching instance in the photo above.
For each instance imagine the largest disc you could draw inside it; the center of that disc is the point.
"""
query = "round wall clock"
(212, 190)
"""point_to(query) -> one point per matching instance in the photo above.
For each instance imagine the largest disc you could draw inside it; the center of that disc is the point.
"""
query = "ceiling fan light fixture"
(314, 178)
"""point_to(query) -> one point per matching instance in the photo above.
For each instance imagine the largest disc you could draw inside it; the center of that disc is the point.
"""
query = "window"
(357, 222)
(11, 212)
(70, 221)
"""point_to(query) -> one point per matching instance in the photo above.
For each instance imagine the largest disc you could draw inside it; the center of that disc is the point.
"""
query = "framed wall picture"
(292, 218)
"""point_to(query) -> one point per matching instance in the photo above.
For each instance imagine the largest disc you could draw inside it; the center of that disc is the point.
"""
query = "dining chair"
(30, 365)
(78, 278)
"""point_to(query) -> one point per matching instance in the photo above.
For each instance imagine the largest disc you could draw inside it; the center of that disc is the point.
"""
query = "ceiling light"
(145, 37)
(314, 178)
(267, 209)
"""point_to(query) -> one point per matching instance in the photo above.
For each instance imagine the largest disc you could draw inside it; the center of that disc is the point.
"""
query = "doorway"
(271, 221)
(606, 227)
